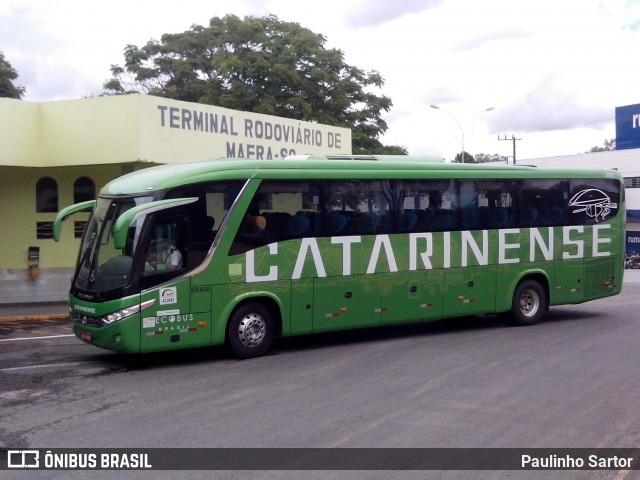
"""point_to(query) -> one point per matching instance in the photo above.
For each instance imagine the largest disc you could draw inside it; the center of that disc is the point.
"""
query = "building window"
(78, 229)
(44, 230)
(83, 190)
(632, 182)
(46, 195)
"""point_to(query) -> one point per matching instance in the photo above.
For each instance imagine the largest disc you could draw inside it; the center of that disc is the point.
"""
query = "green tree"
(7, 76)
(607, 146)
(468, 158)
(486, 158)
(389, 150)
(261, 65)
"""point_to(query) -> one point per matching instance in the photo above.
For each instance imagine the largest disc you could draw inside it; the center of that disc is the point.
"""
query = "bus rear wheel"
(250, 331)
(530, 303)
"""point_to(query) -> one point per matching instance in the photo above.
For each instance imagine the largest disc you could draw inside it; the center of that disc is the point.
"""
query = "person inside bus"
(151, 262)
(171, 255)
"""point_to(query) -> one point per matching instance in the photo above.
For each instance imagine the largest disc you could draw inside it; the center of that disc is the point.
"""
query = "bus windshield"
(102, 267)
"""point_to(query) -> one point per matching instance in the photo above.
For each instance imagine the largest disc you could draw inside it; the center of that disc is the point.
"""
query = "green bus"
(240, 251)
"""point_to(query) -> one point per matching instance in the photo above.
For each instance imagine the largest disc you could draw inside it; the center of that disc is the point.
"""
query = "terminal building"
(54, 154)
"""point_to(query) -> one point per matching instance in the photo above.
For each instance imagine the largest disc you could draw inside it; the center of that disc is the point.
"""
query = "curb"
(24, 318)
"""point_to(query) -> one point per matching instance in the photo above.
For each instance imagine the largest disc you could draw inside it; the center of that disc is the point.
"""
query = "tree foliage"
(7, 76)
(479, 158)
(389, 150)
(468, 158)
(607, 146)
(486, 158)
(261, 65)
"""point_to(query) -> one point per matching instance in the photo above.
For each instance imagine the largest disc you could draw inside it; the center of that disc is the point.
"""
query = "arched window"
(84, 189)
(46, 195)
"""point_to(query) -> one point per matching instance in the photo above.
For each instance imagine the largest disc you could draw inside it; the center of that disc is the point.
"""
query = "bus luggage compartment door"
(469, 291)
(412, 296)
(344, 302)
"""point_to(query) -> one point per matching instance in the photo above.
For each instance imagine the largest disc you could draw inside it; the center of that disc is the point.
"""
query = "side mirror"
(68, 211)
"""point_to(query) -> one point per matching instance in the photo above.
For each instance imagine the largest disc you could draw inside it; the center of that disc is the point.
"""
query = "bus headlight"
(117, 316)
(125, 312)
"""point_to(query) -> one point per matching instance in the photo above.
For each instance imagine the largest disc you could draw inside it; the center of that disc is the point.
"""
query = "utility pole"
(514, 140)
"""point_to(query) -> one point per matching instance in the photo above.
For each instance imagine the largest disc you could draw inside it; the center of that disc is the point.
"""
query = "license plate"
(86, 336)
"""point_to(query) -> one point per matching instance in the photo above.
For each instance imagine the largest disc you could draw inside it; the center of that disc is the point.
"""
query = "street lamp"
(488, 109)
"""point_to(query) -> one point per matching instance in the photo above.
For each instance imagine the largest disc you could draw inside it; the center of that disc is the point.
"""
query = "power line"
(514, 140)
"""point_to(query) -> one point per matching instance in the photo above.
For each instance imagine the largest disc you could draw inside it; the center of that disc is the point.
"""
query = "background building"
(55, 154)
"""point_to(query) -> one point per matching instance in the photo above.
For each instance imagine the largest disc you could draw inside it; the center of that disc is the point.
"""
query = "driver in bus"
(172, 256)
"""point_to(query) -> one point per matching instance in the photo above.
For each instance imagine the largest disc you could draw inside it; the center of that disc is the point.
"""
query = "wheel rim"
(529, 302)
(252, 330)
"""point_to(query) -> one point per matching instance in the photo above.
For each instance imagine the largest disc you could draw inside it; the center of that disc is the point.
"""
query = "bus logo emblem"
(168, 296)
(595, 203)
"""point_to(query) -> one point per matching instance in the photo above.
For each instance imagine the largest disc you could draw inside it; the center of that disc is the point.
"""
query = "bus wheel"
(529, 303)
(250, 331)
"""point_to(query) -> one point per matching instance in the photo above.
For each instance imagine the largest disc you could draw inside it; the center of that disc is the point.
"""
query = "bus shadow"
(117, 362)
(122, 362)
(383, 333)
(428, 328)
(566, 314)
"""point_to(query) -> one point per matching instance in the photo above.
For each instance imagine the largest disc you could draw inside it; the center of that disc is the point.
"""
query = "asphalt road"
(572, 381)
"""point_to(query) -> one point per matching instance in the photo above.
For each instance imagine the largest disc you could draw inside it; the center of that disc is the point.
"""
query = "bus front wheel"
(529, 303)
(250, 331)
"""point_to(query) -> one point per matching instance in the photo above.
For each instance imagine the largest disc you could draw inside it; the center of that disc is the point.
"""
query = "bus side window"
(469, 205)
(543, 202)
(421, 205)
(593, 200)
(166, 254)
(496, 203)
(281, 210)
(354, 207)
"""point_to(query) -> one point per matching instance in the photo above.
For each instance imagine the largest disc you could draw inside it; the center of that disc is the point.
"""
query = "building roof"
(627, 162)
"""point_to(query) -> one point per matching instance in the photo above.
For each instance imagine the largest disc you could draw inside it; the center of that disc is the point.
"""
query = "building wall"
(98, 131)
(19, 219)
(52, 285)
(103, 138)
(20, 131)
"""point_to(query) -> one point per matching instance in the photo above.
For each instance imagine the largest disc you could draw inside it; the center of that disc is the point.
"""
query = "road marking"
(45, 365)
(34, 338)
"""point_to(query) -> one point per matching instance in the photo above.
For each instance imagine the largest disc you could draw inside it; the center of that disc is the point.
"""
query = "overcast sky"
(554, 70)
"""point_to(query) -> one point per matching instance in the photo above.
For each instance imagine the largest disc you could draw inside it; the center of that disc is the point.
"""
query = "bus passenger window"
(355, 207)
(543, 202)
(281, 210)
(593, 200)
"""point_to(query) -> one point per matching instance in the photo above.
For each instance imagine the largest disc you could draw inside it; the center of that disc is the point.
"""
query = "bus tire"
(530, 303)
(250, 330)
